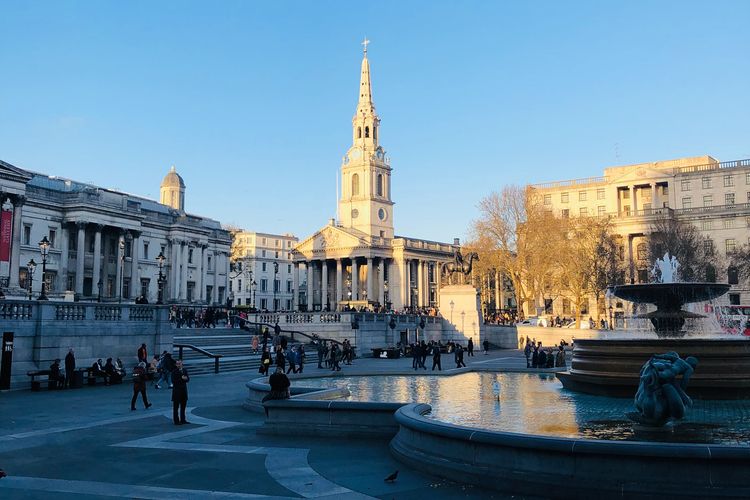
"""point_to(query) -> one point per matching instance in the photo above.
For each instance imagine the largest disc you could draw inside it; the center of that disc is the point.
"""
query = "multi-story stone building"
(262, 270)
(712, 195)
(105, 244)
(358, 259)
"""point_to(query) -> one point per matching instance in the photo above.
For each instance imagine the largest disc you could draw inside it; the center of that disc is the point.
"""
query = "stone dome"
(173, 179)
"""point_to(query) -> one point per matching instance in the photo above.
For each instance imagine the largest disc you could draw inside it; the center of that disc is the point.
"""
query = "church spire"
(365, 122)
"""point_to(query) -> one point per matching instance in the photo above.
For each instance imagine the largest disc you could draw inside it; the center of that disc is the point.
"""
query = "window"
(359, 132)
(728, 198)
(665, 190)
(583, 211)
(600, 194)
(231, 285)
(264, 285)
(262, 253)
(706, 225)
(209, 264)
(711, 274)
(26, 235)
(263, 242)
(145, 252)
(708, 246)
(565, 213)
(728, 181)
(581, 195)
(145, 282)
(23, 278)
(687, 202)
(264, 304)
(548, 199)
(355, 184)
(601, 210)
(367, 132)
(728, 223)
(126, 288)
(276, 254)
(731, 245)
(71, 281)
(626, 210)
(626, 194)
(288, 244)
(289, 268)
(380, 184)
(733, 275)
(747, 178)
(642, 251)
(564, 197)
(642, 275)
(706, 182)
(190, 255)
(708, 200)
(289, 286)
(276, 286)
(277, 243)
(685, 185)
(239, 284)
(51, 238)
(263, 266)
(289, 301)
(128, 249)
(734, 299)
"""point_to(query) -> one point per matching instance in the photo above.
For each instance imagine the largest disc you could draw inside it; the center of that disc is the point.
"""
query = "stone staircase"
(234, 344)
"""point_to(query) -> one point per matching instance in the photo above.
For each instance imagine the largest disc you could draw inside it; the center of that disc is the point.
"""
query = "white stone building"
(104, 244)
(358, 259)
(713, 195)
(262, 270)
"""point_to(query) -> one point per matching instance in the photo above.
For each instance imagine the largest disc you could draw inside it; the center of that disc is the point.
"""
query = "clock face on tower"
(356, 154)
(382, 214)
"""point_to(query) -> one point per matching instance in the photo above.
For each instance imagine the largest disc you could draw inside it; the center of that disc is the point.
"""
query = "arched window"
(367, 132)
(642, 251)
(355, 184)
(359, 132)
(380, 184)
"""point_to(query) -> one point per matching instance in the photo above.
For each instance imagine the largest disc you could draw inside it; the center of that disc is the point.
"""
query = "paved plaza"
(86, 443)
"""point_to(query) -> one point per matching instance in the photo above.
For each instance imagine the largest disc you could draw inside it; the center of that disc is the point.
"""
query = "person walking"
(460, 357)
(436, 357)
(560, 358)
(486, 345)
(292, 358)
(335, 358)
(301, 358)
(180, 379)
(415, 355)
(70, 366)
(143, 354)
(167, 365)
(527, 353)
(139, 386)
(470, 347)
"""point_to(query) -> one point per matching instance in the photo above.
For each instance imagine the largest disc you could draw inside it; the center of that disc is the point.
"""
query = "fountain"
(611, 366)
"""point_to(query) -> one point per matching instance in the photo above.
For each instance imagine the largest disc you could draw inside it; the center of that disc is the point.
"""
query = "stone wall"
(505, 337)
(44, 331)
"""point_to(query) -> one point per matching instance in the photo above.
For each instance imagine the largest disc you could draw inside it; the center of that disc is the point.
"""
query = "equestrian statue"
(460, 265)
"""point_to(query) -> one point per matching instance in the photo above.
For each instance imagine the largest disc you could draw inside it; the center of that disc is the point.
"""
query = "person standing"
(460, 357)
(527, 353)
(292, 358)
(470, 347)
(55, 375)
(301, 358)
(180, 379)
(335, 358)
(415, 355)
(70, 366)
(255, 344)
(143, 354)
(139, 386)
(436, 357)
(265, 362)
(486, 345)
(321, 352)
(280, 358)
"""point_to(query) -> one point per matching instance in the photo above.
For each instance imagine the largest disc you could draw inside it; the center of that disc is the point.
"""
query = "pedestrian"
(56, 376)
(180, 379)
(542, 359)
(167, 365)
(280, 384)
(415, 356)
(255, 344)
(423, 352)
(460, 357)
(527, 353)
(139, 385)
(436, 358)
(265, 362)
(301, 358)
(486, 345)
(321, 352)
(535, 356)
(70, 367)
(143, 354)
(470, 347)
(292, 358)
(335, 358)
(280, 358)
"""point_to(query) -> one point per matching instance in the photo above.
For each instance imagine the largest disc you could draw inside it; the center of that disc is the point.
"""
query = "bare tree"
(695, 253)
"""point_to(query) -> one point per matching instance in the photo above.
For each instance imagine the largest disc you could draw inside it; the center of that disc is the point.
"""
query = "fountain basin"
(612, 367)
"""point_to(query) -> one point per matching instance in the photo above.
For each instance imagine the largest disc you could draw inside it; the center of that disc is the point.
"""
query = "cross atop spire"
(365, 43)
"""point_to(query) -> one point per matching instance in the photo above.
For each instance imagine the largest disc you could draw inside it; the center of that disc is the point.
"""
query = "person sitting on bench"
(56, 377)
(114, 375)
(97, 370)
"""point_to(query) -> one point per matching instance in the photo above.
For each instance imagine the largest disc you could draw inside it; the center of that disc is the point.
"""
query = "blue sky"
(252, 101)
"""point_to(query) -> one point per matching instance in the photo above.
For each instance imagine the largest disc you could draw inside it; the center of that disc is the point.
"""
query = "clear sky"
(252, 101)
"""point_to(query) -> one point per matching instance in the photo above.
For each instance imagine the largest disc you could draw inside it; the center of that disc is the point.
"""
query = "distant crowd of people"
(504, 317)
(544, 357)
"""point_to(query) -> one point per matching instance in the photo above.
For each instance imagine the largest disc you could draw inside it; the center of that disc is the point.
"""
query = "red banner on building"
(6, 226)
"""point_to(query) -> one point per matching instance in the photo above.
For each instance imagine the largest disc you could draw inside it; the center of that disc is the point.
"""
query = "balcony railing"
(713, 166)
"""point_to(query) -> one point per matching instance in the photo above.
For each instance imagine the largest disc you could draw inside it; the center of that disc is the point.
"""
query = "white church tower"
(365, 202)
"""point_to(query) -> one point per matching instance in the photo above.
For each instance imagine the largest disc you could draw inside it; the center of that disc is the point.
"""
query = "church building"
(358, 260)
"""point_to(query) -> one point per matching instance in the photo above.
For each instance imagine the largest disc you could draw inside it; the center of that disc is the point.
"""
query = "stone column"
(97, 259)
(199, 273)
(324, 284)
(438, 280)
(406, 285)
(633, 202)
(215, 289)
(309, 272)
(370, 279)
(420, 284)
(654, 205)
(80, 255)
(15, 244)
(355, 279)
(135, 272)
(295, 286)
(184, 276)
(64, 255)
(120, 265)
(381, 281)
(174, 278)
(339, 282)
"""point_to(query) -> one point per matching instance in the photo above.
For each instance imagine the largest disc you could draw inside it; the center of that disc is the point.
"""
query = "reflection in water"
(536, 404)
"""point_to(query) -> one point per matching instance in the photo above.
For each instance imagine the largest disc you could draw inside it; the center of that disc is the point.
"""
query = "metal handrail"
(216, 357)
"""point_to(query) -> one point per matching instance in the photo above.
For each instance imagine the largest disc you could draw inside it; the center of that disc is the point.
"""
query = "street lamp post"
(452, 304)
(160, 279)
(31, 267)
(385, 295)
(275, 273)
(253, 287)
(611, 323)
(122, 267)
(44, 249)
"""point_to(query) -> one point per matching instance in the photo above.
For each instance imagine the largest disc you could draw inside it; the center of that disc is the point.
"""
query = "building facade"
(262, 266)
(714, 196)
(358, 260)
(105, 244)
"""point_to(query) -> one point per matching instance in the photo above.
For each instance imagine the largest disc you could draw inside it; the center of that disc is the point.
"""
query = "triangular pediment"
(639, 174)
(329, 238)
(10, 172)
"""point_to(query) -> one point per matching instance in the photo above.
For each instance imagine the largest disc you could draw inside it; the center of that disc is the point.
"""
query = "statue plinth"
(461, 309)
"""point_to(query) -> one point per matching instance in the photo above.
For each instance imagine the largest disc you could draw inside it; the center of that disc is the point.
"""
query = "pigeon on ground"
(392, 478)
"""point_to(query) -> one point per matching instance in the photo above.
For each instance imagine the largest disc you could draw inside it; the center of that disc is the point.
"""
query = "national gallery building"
(358, 260)
(106, 245)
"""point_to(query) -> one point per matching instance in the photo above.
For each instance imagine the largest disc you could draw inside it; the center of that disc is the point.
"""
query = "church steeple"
(365, 122)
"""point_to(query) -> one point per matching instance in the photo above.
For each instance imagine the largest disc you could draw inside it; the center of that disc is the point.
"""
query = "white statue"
(665, 269)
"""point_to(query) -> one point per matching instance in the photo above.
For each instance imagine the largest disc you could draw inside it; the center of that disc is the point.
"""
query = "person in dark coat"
(143, 354)
(542, 359)
(70, 367)
(470, 347)
(114, 376)
(55, 375)
(436, 358)
(486, 345)
(460, 357)
(535, 357)
(280, 358)
(423, 352)
(139, 386)
(180, 379)
(265, 362)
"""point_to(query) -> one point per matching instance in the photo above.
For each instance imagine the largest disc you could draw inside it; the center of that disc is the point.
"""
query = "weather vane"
(365, 43)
